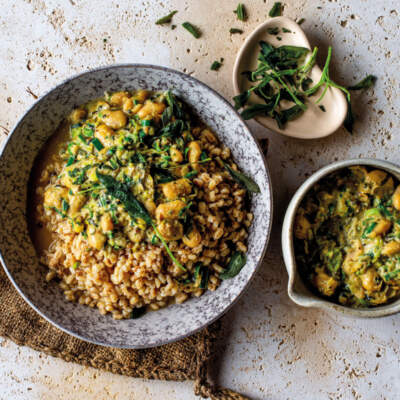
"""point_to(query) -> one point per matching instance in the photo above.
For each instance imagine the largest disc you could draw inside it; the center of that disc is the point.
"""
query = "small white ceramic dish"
(314, 123)
(297, 290)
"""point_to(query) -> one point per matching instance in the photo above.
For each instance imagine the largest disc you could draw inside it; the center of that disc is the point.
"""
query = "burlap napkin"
(187, 359)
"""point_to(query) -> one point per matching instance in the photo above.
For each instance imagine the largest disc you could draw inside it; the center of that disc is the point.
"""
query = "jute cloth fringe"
(187, 359)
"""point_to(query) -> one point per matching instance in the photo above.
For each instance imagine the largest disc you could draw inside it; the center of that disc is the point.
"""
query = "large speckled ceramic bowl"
(297, 289)
(18, 255)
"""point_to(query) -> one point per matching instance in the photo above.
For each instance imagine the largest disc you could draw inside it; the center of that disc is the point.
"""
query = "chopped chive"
(273, 31)
(69, 148)
(154, 240)
(215, 66)
(186, 151)
(235, 30)
(70, 161)
(322, 108)
(190, 174)
(276, 10)
(81, 138)
(142, 135)
(203, 156)
(114, 164)
(97, 144)
(240, 12)
(76, 264)
(300, 21)
(286, 30)
(146, 122)
(201, 275)
(369, 229)
(192, 29)
(65, 205)
(166, 19)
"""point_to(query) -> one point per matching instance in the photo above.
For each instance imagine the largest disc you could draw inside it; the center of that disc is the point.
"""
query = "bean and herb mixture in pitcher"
(347, 237)
(141, 205)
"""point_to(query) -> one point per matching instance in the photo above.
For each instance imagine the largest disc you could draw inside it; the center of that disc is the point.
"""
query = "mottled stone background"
(273, 349)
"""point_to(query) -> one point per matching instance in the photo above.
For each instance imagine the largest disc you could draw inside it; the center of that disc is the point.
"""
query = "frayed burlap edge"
(187, 359)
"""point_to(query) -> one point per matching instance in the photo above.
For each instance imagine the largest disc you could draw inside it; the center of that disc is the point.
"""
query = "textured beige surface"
(274, 350)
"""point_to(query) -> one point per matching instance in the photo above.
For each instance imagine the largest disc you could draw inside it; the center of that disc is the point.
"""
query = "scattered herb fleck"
(216, 65)
(166, 19)
(273, 31)
(241, 12)
(366, 83)
(235, 30)
(192, 29)
(276, 10)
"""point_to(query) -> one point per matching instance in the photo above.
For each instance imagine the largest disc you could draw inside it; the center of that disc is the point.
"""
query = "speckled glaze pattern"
(17, 252)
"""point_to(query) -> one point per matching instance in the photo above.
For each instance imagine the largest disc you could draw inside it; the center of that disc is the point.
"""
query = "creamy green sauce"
(347, 237)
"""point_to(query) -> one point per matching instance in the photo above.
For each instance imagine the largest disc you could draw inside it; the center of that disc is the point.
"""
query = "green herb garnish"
(191, 174)
(366, 83)
(273, 31)
(241, 12)
(300, 21)
(236, 263)
(64, 205)
(134, 208)
(369, 229)
(276, 10)
(241, 99)
(390, 275)
(166, 19)
(70, 161)
(282, 75)
(243, 180)
(192, 29)
(235, 30)
(201, 275)
(322, 108)
(216, 65)
(146, 122)
(97, 144)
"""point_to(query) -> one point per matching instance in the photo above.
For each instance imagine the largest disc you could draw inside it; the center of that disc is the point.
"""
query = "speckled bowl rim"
(306, 298)
(262, 157)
